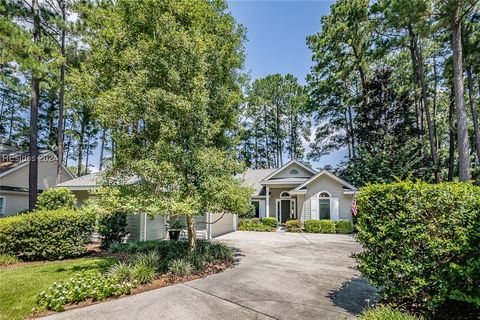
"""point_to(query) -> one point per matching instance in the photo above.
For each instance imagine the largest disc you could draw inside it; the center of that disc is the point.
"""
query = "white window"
(3, 202)
(285, 194)
(294, 171)
(324, 205)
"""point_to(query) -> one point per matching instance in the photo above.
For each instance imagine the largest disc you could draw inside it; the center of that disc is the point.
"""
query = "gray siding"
(335, 188)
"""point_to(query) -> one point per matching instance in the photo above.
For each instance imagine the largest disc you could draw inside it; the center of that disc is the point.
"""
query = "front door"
(284, 210)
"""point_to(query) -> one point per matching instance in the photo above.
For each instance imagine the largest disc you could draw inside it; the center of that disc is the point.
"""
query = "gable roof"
(86, 182)
(252, 178)
(288, 164)
(12, 162)
(331, 175)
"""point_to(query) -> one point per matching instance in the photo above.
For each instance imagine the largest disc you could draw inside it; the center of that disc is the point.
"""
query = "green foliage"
(327, 226)
(421, 241)
(387, 313)
(206, 251)
(276, 110)
(177, 82)
(319, 226)
(180, 267)
(79, 288)
(343, 226)
(8, 259)
(142, 273)
(219, 251)
(46, 234)
(269, 221)
(56, 198)
(312, 226)
(294, 226)
(121, 270)
(150, 260)
(176, 225)
(255, 227)
(112, 228)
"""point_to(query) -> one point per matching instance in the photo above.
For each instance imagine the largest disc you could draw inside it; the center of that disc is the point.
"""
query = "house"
(296, 191)
(14, 176)
(142, 227)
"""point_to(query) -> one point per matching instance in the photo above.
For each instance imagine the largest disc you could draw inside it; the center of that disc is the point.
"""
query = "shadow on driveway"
(354, 296)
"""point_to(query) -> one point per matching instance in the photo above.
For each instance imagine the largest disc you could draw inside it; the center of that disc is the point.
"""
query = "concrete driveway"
(279, 276)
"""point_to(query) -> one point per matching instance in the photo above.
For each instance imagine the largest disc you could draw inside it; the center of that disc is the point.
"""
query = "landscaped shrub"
(79, 288)
(46, 234)
(421, 241)
(327, 226)
(255, 227)
(8, 259)
(269, 221)
(293, 226)
(312, 226)
(386, 313)
(180, 267)
(54, 199)
(207, 251)
(343, 226)
(121, 270)
(112, 228)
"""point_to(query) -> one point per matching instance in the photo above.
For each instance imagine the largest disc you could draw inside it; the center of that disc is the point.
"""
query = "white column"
(267, 202)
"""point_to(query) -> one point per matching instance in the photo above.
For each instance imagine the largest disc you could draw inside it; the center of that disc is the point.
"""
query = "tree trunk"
(413, 58)
(33, 149)
(267, 155)
(60, 134)
(87, 153)
(352, 132)
(451, 138)
(476, 129)
(462, 125)
(192, 241)
(431, 136)
(102, 148)
(80, 151)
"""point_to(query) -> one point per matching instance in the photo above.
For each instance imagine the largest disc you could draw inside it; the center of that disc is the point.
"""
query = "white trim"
(345, 183)
(293, 209)
(267, 202)
(285, 197)
(286, 166)
(271, 182)
(296, 192)
(78, 188)
(324, 191)
(4, 205)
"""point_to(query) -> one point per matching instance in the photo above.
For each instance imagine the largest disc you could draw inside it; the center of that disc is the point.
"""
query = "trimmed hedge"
(421, 241)
(327, 226)
(46, 235)
(312, 226)
(293, 226)
(269, 221)
(255, 227)
(343, 226)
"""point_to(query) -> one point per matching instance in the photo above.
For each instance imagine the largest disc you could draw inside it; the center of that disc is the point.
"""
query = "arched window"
(294, 171)
(324, 205)
(285, 194)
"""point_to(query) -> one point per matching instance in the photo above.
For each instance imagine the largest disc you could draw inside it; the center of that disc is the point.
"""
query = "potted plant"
(174, 229)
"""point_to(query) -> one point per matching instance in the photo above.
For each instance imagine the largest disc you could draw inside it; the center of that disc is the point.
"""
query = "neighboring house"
(296, 191)
(141, 226)
(14, 177)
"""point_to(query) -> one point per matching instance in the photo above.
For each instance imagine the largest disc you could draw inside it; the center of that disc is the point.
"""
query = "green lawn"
(20, 285)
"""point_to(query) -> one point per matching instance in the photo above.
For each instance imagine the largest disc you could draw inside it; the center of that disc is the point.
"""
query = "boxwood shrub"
(327, 226)
(46, 234)
(343, 226)
(293, 226)
(269, 221)
(312, 226)
(421, 241)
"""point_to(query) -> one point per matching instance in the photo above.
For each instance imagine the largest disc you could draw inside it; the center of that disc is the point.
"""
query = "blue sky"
(276, 33)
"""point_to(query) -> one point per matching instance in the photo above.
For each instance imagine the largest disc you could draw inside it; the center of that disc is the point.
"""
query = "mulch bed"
(163, 280)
